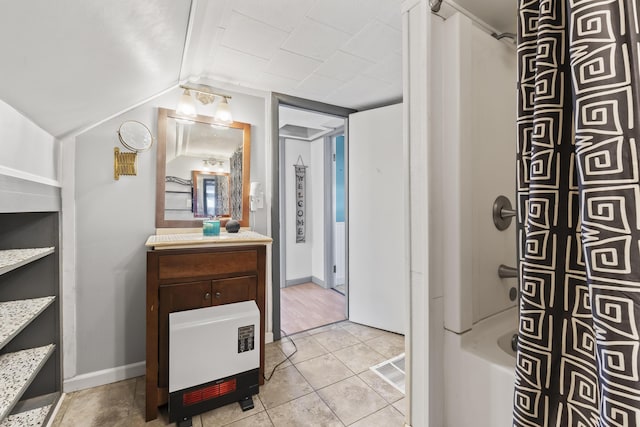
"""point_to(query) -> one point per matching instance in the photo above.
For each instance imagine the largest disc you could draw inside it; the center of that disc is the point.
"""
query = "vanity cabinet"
(185, 279)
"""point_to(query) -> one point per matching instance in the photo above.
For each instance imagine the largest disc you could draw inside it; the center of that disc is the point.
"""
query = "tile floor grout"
(320, 385)
(314, 389)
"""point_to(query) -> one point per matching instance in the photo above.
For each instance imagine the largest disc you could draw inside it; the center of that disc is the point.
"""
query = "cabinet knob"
(218, 294)
(207, 295)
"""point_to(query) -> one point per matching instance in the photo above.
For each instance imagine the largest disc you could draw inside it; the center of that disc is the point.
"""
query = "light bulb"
(223, 113)
(186, 104)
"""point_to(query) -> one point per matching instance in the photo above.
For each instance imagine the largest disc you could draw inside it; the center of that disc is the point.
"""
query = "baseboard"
(121, 373)
(319, 282)
(298, 281)
(105, 376)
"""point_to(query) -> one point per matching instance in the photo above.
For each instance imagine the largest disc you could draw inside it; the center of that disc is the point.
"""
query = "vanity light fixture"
(215, 164)
(186, 105)
(223, 113)
(205, 95)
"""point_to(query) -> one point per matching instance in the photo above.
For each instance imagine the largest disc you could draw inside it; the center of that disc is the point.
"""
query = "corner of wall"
(456, 176)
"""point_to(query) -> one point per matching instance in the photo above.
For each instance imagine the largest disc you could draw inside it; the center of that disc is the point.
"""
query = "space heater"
(214, 359)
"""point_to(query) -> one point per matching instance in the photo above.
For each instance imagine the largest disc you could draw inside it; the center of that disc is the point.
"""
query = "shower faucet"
(506, 272)
(503, 212)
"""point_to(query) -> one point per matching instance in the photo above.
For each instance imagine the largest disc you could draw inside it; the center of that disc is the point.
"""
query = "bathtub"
(479, 368)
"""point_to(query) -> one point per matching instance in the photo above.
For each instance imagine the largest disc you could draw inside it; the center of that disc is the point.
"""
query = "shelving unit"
(17, 371)
(10, 259)
(30, 363)
(32, 418)
(16, 315)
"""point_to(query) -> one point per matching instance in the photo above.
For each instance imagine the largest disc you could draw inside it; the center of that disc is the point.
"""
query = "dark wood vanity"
(188, 271)
(184, 279)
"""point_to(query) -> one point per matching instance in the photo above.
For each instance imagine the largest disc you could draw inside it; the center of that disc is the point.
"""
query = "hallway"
(307, 306)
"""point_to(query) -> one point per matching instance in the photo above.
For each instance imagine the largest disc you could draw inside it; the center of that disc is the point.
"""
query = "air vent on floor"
(392, 371)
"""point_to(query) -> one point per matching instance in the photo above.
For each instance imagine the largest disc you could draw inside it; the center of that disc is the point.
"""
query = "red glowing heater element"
(208, 393)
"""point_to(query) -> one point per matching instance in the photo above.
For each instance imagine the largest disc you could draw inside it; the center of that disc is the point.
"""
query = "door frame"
(277, 208)
(330, 171)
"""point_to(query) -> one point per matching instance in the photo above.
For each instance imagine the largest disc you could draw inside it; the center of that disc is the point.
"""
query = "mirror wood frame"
(161, 169)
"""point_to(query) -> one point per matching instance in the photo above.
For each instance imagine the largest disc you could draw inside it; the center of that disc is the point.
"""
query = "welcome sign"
(300, 203)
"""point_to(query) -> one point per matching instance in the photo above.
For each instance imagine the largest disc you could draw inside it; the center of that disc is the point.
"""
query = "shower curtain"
(578, 210)
(222, 195)
(235, 194)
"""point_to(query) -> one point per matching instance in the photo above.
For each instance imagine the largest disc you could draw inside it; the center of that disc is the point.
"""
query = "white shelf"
(10, 259)
(17, 371)
(16, 315)
(32, 418)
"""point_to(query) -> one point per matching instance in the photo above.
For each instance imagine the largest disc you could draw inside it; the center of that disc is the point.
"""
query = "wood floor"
(309, 306)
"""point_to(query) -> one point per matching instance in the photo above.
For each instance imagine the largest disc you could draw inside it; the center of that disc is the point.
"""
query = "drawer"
(207, 264)
(237, 289)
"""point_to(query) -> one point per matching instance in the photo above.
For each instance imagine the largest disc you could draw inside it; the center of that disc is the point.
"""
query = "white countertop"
(196, 240)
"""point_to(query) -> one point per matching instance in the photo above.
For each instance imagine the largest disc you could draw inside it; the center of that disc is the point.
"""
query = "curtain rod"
(436, 6)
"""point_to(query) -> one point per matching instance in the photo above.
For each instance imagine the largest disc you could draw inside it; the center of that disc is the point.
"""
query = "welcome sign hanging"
(301, 170)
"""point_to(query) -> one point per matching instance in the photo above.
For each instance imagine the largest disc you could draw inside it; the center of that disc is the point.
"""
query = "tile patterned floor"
(327, 383)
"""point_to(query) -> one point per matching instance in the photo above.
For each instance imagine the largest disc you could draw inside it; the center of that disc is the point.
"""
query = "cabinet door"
(237, 289)
(178, 297)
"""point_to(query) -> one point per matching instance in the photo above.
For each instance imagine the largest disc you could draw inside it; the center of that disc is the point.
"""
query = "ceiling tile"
(220, 12)
(234, 66)
(283, 14)
(318, 85)
(343, 66)
(375, 41)
(390, 13)
(291, 65)
(253, 37)
(389, 69)
(349, 16)
(315, 40)
(274, 83)
(363, 91)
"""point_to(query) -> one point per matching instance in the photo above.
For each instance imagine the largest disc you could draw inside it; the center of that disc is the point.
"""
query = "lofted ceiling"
(68, 64)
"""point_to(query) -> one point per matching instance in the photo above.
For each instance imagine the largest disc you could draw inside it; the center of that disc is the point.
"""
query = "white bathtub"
(480, 373)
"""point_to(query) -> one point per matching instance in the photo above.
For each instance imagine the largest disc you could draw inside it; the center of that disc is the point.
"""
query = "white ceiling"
(67, 64)
(342, 52)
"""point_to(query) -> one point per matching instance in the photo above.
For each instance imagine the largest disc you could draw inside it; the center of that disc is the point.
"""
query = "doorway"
(309, 253)
(308, 294)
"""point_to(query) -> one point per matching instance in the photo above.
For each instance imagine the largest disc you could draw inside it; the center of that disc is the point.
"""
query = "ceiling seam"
(187, 39)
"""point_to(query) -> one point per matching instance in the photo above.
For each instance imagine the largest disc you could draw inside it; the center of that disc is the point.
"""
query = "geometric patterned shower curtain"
(222, 195)
(235, 193)
(578, 191)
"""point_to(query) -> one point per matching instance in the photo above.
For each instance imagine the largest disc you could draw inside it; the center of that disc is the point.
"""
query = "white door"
(378, 255)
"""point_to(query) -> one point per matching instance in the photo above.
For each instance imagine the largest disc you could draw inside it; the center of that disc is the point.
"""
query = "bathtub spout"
(506, 272)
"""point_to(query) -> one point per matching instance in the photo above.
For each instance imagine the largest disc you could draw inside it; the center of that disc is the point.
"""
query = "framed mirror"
(211, 195)
(202, 170)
